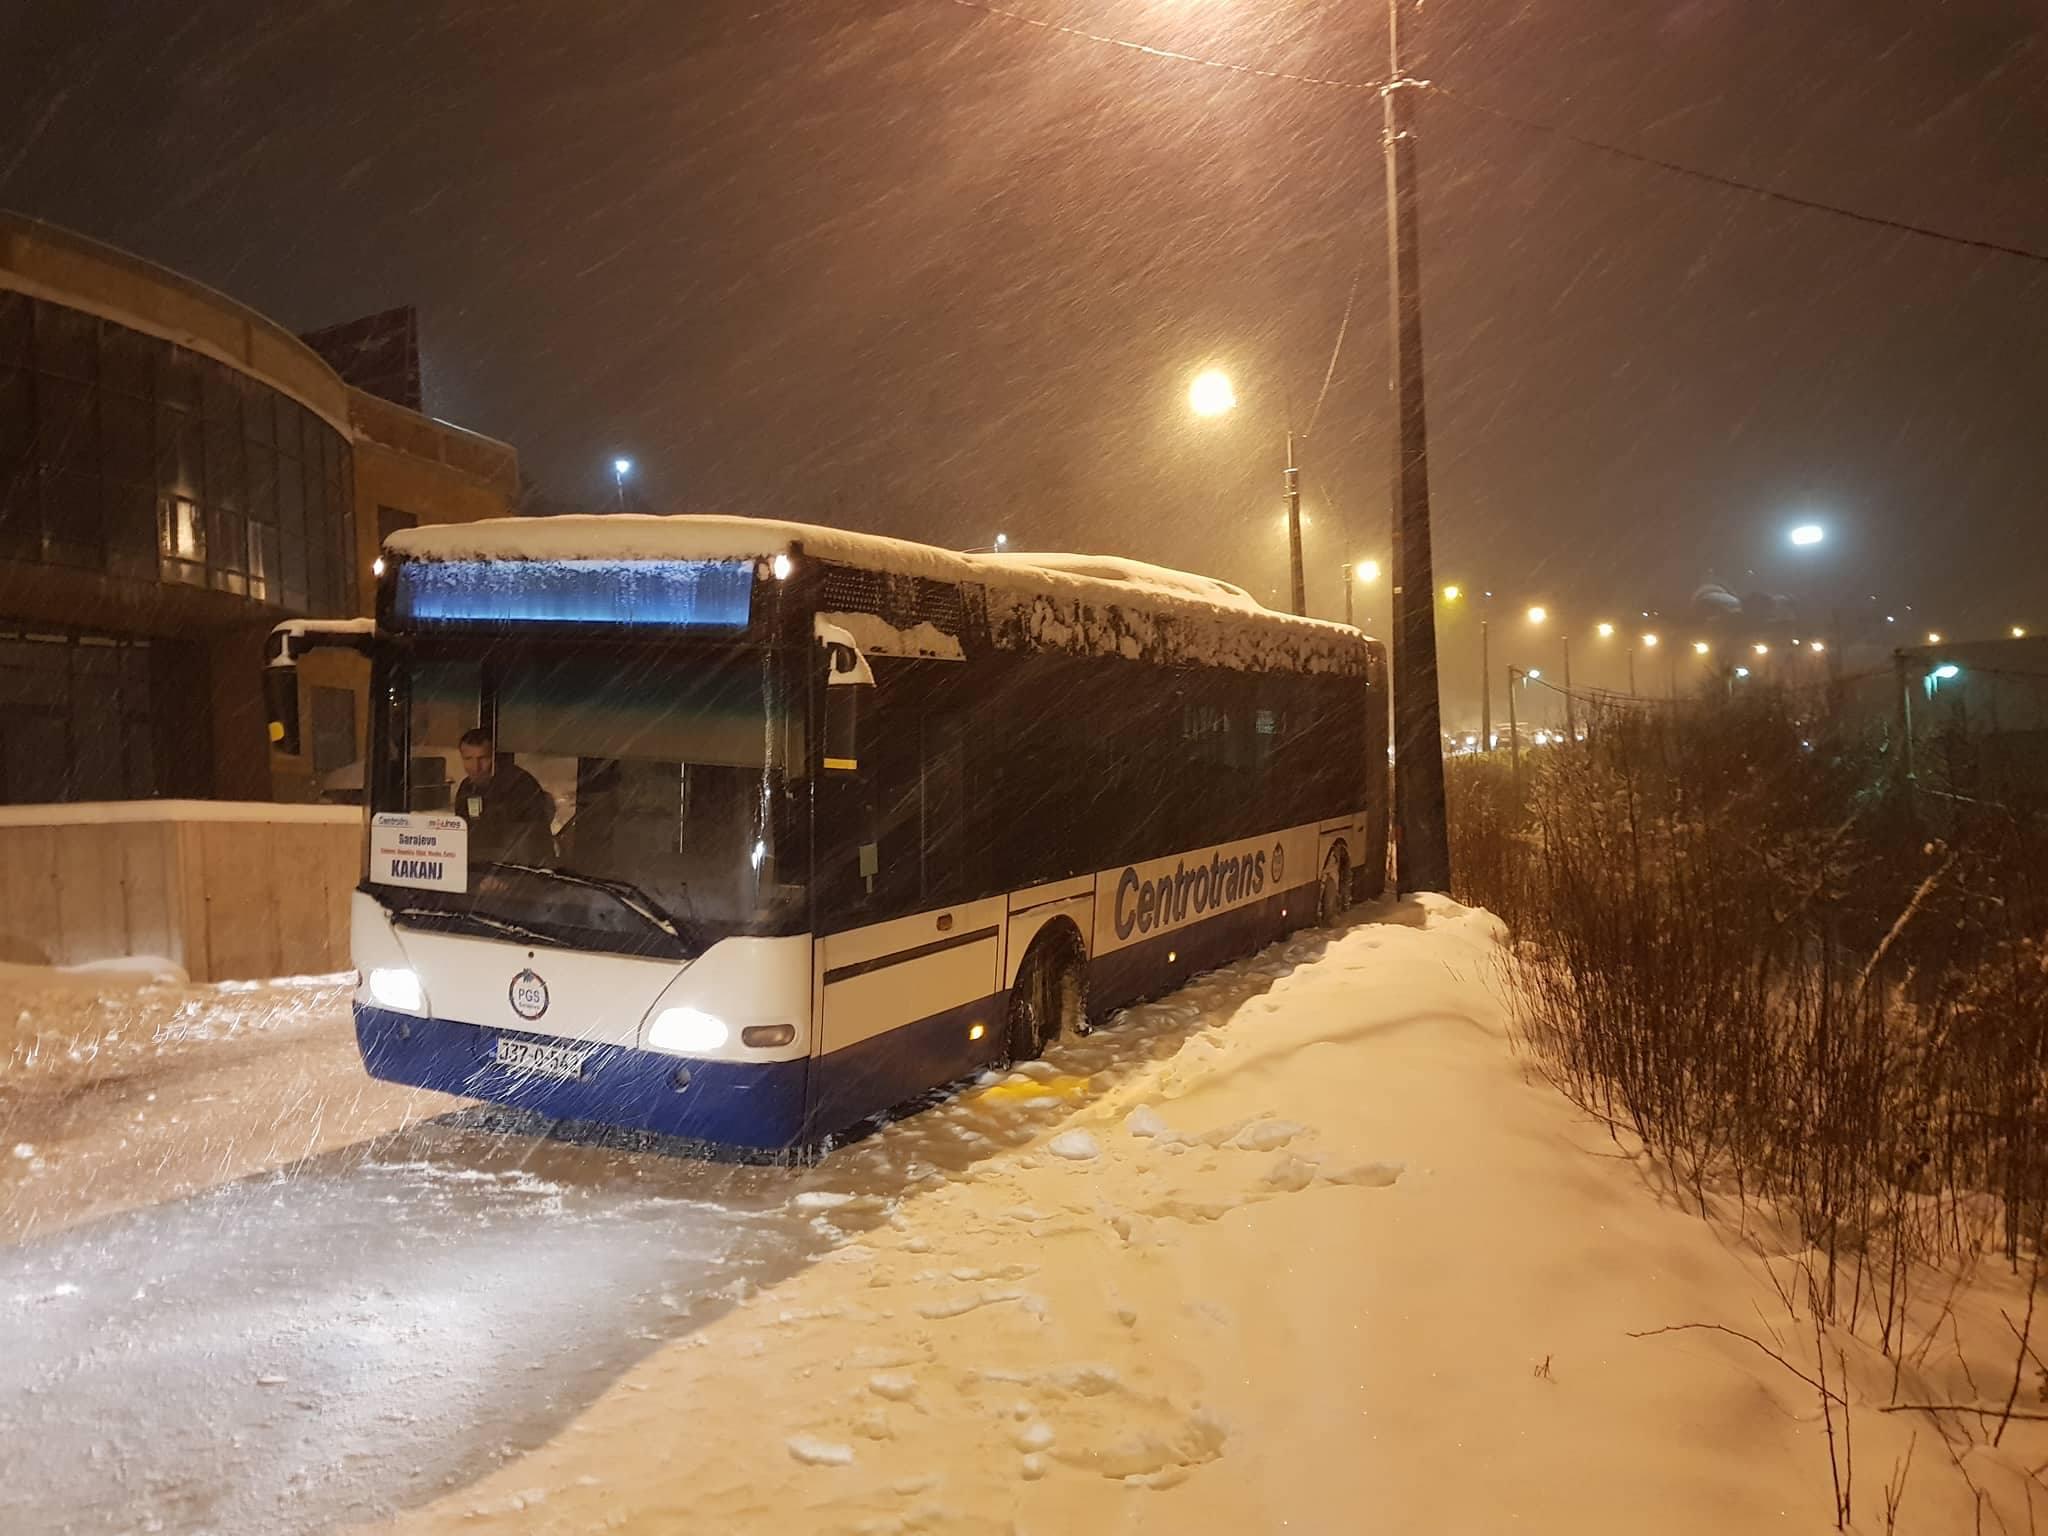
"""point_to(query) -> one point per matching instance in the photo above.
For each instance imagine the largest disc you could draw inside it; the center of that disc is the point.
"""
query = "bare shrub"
(1738, 932)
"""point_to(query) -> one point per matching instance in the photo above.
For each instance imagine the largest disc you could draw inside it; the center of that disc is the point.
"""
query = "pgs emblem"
(529, 995)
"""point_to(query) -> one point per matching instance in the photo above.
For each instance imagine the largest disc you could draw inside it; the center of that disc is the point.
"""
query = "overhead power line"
(1735, 184)
(1599, 146)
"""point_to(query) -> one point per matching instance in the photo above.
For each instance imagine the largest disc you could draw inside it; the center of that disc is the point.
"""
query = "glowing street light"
(2018, 633)
(1650, 642)
(620, 469)
(1211, 393)
(1742, 671)
(1819, 645)
(1807, 535)
(1761, 649)
(1700, 647)
(1363, 572)
(1536, 616)
(1604, 631)
(1453, 593)
(1933, 637)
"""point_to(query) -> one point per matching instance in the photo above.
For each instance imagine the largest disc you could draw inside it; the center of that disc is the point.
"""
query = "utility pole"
(1485, 693)
(1423, 858)
(1300, 587)
(1514, 736)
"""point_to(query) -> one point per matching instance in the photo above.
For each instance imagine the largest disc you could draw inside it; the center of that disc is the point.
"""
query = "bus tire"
(1049, 998)
(1333, 892)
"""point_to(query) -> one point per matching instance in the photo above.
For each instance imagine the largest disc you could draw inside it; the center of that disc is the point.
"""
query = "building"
(177, 475)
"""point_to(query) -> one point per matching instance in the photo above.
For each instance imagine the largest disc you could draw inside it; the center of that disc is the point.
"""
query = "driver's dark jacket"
(509, 818)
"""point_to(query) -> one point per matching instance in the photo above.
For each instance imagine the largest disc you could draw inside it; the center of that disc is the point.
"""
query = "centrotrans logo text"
(1142, 905)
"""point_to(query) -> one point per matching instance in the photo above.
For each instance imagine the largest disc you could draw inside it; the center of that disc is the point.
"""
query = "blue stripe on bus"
(906, 1062)
(758, 1105)
(1142, 970)
(734, 1103)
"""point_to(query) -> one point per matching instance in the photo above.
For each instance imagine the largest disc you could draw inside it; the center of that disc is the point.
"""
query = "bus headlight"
(399, 989)
(687, 1030)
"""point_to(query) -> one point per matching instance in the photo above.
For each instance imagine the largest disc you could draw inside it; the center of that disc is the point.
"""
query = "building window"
(181, 540)
(125, 453)
(74, 719)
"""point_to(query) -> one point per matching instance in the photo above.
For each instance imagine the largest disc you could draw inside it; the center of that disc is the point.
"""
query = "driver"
(510, 816)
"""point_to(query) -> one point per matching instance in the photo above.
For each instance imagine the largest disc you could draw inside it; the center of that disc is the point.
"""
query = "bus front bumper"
(758, 1106)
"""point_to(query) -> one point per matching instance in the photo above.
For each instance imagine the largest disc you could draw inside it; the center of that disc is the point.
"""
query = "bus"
(748, 832)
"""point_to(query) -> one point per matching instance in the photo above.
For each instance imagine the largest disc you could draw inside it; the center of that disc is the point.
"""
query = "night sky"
(913, 268)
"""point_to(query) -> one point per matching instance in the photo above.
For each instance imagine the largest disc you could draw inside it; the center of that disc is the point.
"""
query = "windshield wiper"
(624, 892)
(458, 918)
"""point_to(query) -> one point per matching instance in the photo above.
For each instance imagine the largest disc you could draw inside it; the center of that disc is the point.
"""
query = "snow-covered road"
(340, 1334)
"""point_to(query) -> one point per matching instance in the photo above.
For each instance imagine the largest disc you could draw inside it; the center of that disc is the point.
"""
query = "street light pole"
(1485, 693)
(1300, 585)
(1571, 732)
(1423, 857)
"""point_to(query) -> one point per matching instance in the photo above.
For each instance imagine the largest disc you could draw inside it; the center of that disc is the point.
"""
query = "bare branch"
(1736, 1333)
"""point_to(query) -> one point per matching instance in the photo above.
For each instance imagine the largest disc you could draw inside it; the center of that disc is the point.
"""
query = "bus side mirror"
(848, 677)
(281, 653)
(281, 708)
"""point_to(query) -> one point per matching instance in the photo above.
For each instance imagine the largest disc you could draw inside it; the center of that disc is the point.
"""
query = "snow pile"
(1298, 1249)
(123, 1084)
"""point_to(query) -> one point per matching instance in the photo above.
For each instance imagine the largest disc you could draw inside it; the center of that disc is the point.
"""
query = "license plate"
(547, 1060)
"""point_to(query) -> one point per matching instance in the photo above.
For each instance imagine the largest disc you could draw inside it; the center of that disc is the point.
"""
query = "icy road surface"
(246, 1290)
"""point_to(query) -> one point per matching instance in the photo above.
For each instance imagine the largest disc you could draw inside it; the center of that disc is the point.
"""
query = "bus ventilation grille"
(903, 601)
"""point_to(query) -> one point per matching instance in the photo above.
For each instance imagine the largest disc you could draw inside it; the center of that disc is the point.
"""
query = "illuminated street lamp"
(1453, 593)
(1933, 637)
(1806, 535)
(1700, 647)
(2018, 633)
(620, 469)
(1363, 573)
(1604, 631)
(1538, 614)
(1212, 394)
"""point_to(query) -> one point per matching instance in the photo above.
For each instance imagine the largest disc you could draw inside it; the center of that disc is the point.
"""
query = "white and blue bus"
(809, 823)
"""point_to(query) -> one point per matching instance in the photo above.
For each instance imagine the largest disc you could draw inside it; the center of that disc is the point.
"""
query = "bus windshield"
(635, 801)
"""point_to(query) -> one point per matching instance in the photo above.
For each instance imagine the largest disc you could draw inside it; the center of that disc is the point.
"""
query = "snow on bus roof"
(642, 536)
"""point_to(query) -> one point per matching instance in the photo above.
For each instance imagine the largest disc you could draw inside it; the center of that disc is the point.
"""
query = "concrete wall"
(230, 891)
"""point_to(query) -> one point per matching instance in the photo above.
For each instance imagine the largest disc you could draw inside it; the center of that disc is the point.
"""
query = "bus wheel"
(1333, 895)
(1050, 999)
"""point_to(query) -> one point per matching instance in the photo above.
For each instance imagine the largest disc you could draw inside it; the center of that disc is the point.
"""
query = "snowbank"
(1337, 1266)
(124, 1085)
